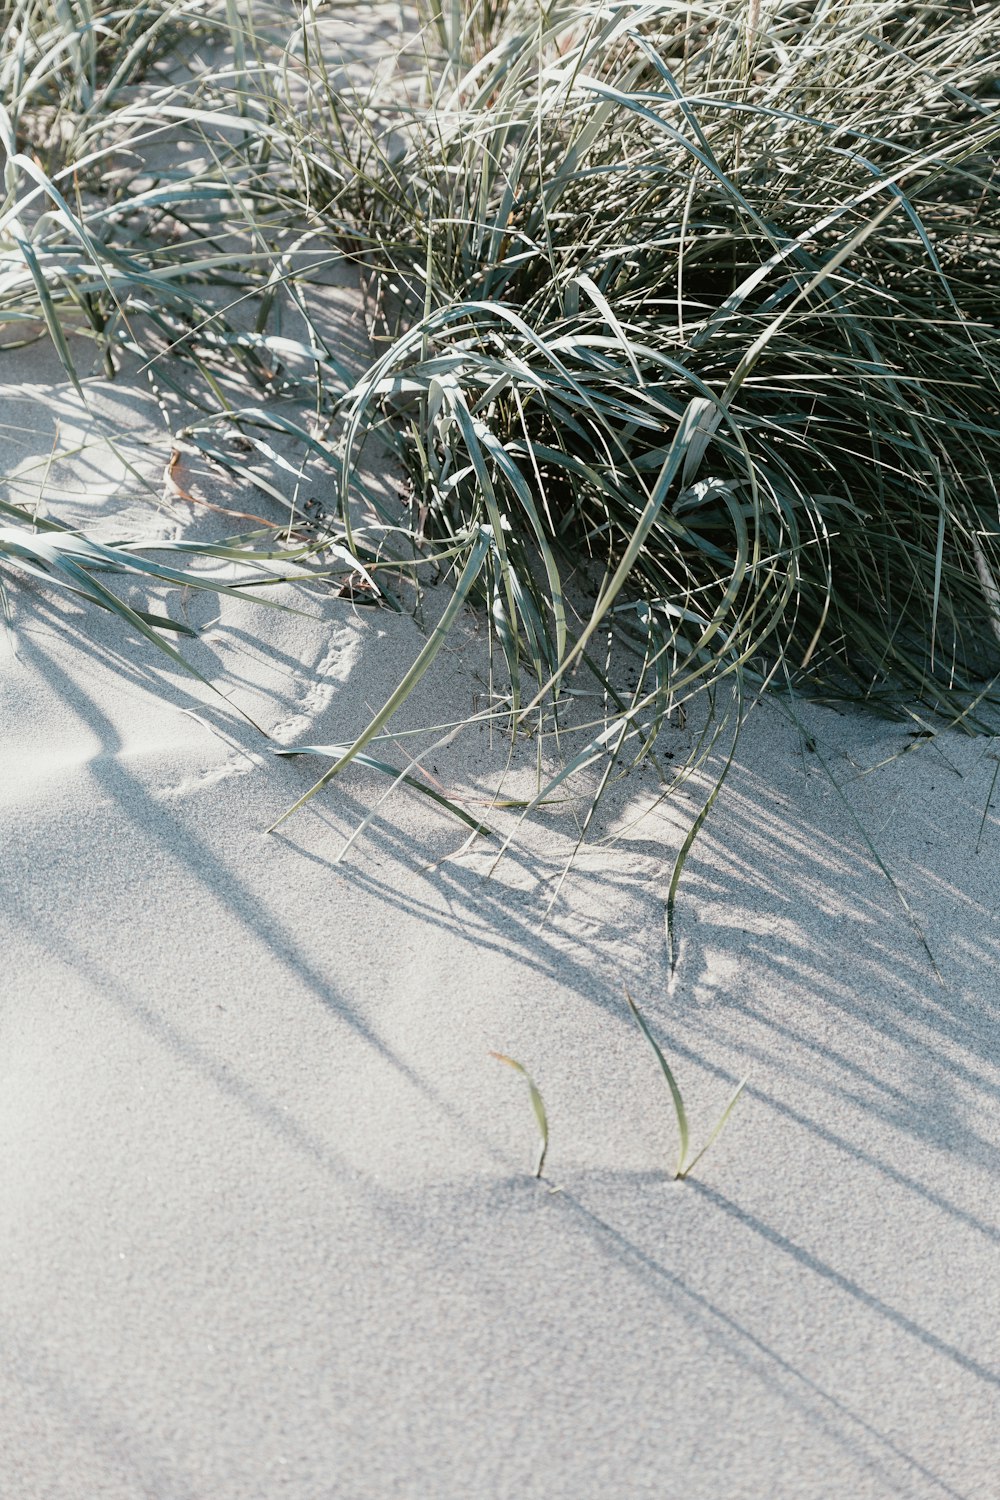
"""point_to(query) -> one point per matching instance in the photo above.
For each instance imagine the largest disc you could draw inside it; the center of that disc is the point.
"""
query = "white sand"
(268, 1225)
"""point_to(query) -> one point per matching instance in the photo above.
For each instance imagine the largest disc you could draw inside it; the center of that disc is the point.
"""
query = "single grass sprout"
(685, 1162)
(537, 1105)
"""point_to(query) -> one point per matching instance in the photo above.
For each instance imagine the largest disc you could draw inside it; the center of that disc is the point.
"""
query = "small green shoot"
(537, 1104)
(685, 1163)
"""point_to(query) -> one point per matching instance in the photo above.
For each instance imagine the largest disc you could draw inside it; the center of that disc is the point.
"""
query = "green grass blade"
(477, 555)
(337, 752)
(537, 1105)
(675, 1093)
(717, 1129)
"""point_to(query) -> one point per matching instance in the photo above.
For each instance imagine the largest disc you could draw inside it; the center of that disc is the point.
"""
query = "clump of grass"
(701, 308)
(689, 314)
(130, 220)
(133, 197)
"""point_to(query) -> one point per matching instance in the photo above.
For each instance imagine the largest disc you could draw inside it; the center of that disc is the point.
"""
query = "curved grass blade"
(691, 836)
(478, 553)
(537, 1104)
(685, 1165)
(337, 752)
(675, 1093)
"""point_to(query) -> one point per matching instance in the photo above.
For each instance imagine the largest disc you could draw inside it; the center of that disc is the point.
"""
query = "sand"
(269, 1226)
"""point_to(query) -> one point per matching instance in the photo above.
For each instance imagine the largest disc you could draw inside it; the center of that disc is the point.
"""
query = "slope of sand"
(269, 1227)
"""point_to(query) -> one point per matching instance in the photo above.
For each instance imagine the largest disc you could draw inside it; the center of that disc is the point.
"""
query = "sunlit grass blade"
(68, 560)
(537, 1105)
(477, 556)
(718, 1127)
(337, 753)
(675, 1093)
(685, 1163)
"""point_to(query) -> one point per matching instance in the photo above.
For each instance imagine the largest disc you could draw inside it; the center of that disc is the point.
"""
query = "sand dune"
(269, 1227)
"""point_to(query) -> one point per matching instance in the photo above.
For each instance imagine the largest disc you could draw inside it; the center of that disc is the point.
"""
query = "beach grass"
(686, 317)
(687, 1159)
(537, 1107)
(700, 305)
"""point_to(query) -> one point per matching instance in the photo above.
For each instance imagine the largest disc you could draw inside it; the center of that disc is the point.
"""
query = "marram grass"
(688, 316)
(702, 304)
